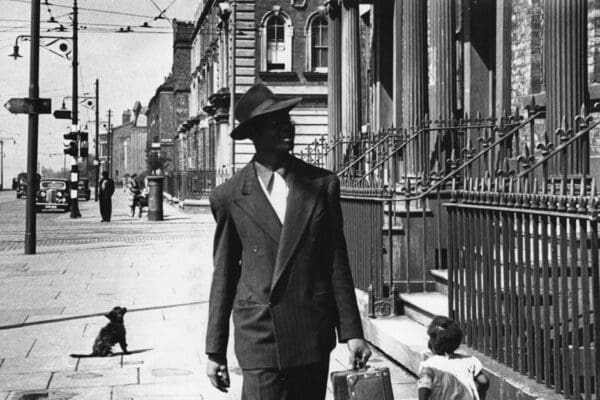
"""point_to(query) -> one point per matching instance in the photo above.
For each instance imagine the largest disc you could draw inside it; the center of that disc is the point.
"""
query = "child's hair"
(444, 335)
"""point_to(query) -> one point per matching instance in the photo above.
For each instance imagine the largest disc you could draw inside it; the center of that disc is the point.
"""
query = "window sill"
(312, 76)
(282, 76)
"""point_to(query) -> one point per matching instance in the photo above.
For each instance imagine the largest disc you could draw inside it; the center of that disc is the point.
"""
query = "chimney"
(126, 116)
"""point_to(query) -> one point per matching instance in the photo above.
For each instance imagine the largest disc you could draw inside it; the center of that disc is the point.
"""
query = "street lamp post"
(74, 118)
(32, 129)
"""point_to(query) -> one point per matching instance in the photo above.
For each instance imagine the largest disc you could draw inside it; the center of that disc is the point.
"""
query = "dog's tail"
(82, 355)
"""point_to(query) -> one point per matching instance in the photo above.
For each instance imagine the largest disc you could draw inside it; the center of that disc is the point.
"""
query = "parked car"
(21, 184)
(53, 194)
(83, 189)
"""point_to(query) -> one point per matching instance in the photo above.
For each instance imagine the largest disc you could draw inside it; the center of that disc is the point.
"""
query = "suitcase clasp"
(351, 378)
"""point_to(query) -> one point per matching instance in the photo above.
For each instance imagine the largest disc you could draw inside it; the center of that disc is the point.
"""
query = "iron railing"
(524, 281)
(194, 184)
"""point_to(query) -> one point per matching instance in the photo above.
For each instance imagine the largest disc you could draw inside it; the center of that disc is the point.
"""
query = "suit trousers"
(308, 382)
(105, 208)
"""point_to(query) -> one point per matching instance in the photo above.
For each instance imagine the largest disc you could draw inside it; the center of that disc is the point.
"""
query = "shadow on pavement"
(129, 310)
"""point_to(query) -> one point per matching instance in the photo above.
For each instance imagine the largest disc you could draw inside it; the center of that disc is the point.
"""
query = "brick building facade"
(129, 141)
(169, 107)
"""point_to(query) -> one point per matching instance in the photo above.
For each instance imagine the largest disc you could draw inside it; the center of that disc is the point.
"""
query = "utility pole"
(97, 159)
(74, 119)
(109, 144)
(32, 129)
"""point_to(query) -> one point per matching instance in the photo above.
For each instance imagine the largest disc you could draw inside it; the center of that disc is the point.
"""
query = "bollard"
(155, 198)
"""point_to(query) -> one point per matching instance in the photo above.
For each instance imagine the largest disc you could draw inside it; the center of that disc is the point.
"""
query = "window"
(318, 44)
(276, 33)
(275, 44)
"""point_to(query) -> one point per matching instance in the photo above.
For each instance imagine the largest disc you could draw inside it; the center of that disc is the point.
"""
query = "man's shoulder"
(313, 172)
(227, 189)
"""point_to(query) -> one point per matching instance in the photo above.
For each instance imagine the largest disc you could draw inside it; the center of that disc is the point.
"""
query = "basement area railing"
(524, 281)
(523, 266)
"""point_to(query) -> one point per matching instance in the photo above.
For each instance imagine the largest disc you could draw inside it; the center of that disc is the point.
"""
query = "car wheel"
(18, 196)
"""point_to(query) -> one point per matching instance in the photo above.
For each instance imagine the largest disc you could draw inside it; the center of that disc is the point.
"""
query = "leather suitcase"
(363, 384)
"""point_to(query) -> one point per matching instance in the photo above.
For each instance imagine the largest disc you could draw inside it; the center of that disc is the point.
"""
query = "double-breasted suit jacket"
(289, 287)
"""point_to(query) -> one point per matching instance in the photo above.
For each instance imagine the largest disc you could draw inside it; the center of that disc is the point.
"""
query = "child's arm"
(425, 382)
(483, 383)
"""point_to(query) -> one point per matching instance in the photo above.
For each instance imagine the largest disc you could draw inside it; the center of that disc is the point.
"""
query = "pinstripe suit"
(289, 287)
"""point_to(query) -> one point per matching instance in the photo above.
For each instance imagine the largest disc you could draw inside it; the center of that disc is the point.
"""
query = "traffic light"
(70, 143)
(83, 144)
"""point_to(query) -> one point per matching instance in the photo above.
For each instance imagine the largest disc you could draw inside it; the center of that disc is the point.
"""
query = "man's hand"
(359, 353)
(216, 369)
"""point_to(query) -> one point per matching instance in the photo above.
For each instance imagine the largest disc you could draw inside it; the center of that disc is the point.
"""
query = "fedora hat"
(258, 100)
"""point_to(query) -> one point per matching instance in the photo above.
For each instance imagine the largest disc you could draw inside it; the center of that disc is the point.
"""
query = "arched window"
(276, 42)
(318, 44)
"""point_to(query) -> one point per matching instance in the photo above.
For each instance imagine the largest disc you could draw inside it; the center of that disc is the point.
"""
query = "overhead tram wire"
(91, 9)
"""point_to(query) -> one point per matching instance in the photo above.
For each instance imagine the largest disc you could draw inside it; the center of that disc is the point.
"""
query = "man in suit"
(107, 188)
(280, 265)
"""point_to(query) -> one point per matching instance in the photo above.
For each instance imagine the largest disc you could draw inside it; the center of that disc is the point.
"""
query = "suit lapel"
(254, 203)
(301, 201)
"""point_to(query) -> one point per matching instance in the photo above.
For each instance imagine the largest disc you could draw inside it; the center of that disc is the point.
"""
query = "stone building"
(169, 108)
(282, 44)
(129, 141)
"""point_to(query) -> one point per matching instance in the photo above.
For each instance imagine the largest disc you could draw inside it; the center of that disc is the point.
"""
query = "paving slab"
(24, 381)
(10, 318)
(94, 378)
(49, 345)
(99, 363)
(14, 346)
(37, 364)
(197, 389)
(98, 393)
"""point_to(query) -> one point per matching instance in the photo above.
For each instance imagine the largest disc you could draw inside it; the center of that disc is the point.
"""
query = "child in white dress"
(447, 375)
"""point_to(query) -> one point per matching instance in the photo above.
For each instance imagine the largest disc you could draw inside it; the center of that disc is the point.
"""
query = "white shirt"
(450, 376)
(275, 188)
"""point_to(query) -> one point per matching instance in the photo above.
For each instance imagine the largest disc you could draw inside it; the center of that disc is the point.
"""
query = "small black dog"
(111, 334)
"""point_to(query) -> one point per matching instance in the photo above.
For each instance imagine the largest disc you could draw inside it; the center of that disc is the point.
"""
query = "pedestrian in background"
(446, 374)
(133, 188)
(280, 265)
(125, 182)
(107, 189)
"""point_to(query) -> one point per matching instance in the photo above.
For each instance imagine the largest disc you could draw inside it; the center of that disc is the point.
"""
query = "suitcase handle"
(358, 368)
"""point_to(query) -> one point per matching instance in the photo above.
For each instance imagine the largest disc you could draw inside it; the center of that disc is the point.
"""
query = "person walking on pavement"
(107, 189)
(280, 265)
(133, 187)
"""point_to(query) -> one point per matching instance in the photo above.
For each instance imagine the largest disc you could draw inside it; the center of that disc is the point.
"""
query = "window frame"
(308, 30)
(288, 34)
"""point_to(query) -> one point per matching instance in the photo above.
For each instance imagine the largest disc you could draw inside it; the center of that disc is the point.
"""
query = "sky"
(129, 66)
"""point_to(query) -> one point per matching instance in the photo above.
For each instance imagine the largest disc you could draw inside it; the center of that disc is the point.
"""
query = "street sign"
(28, 106)
(62, 114)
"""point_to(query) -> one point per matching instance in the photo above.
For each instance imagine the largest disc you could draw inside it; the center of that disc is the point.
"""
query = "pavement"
(52, 304)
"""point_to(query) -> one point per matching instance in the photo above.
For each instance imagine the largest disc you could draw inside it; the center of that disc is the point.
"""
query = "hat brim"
(241, 131)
